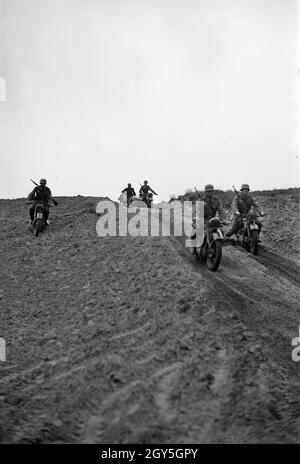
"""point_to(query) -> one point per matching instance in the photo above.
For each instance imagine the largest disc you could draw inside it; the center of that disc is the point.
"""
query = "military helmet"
(43, 181)
(145, 182)
(209, 188)
(245, 187)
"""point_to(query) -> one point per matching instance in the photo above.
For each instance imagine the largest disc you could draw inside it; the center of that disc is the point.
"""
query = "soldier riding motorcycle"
(210, 250)
(39, 222)
(130, 193)
(246, 226)
(40, 197)
(146, 194)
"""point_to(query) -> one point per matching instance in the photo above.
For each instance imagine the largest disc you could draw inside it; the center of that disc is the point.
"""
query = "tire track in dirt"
(253, 289)
(269, 312)
(284, 266)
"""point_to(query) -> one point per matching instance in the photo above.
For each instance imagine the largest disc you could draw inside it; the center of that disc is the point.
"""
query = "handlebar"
(246, 214)
(31, 202)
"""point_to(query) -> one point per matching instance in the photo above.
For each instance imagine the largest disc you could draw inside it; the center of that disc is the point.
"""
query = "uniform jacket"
(130, 191)
(244, 205)
(212, 205)
(145, 189)
(41, 194)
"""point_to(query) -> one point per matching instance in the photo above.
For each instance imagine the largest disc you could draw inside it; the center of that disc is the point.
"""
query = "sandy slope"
(129, 340)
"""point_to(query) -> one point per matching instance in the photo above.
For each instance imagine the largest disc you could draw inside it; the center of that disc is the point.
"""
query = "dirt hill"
(129, 340)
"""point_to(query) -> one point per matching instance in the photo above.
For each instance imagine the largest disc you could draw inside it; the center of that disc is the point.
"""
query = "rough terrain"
(129, 340)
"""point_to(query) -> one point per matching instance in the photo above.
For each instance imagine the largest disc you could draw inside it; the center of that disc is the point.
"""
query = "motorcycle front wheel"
(246, 240)
(197, 253)
(214, 255)
(254, 242)
(37, 227)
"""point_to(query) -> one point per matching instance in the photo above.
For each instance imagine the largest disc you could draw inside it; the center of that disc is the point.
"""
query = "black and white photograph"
(149, 225)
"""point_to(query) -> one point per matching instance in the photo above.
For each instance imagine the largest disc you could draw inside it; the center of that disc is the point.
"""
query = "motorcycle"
(39, 222)
(247, 235)
(210, 250)
(126, 201)
(147, 198)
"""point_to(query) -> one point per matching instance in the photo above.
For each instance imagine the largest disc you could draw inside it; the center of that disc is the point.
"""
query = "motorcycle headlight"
(252, 216)
(39, 208)
(214, 222)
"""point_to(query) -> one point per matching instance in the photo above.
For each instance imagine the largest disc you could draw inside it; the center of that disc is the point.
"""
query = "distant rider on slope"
(145, 189)
(130, 192)
(41, 194)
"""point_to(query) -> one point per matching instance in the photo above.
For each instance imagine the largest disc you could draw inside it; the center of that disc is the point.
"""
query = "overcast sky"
(100, 93)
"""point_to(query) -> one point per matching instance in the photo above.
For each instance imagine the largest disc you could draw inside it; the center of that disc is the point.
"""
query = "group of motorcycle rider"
(144, 192)
(242, 203)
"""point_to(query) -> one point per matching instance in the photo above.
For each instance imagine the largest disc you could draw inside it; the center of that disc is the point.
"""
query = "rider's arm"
(256, 206)
(152, 191)
(133, 193)
(234, 208)
(32, 194)
(221, 211)
(51, 198)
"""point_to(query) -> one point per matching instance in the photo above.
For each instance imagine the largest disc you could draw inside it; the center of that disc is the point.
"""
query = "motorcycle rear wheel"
(213, 262)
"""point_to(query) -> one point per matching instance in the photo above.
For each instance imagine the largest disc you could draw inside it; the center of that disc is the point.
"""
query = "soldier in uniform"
(130, 192)
(41, 194)
(212, 204)
(242, 203)
(145, 189)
